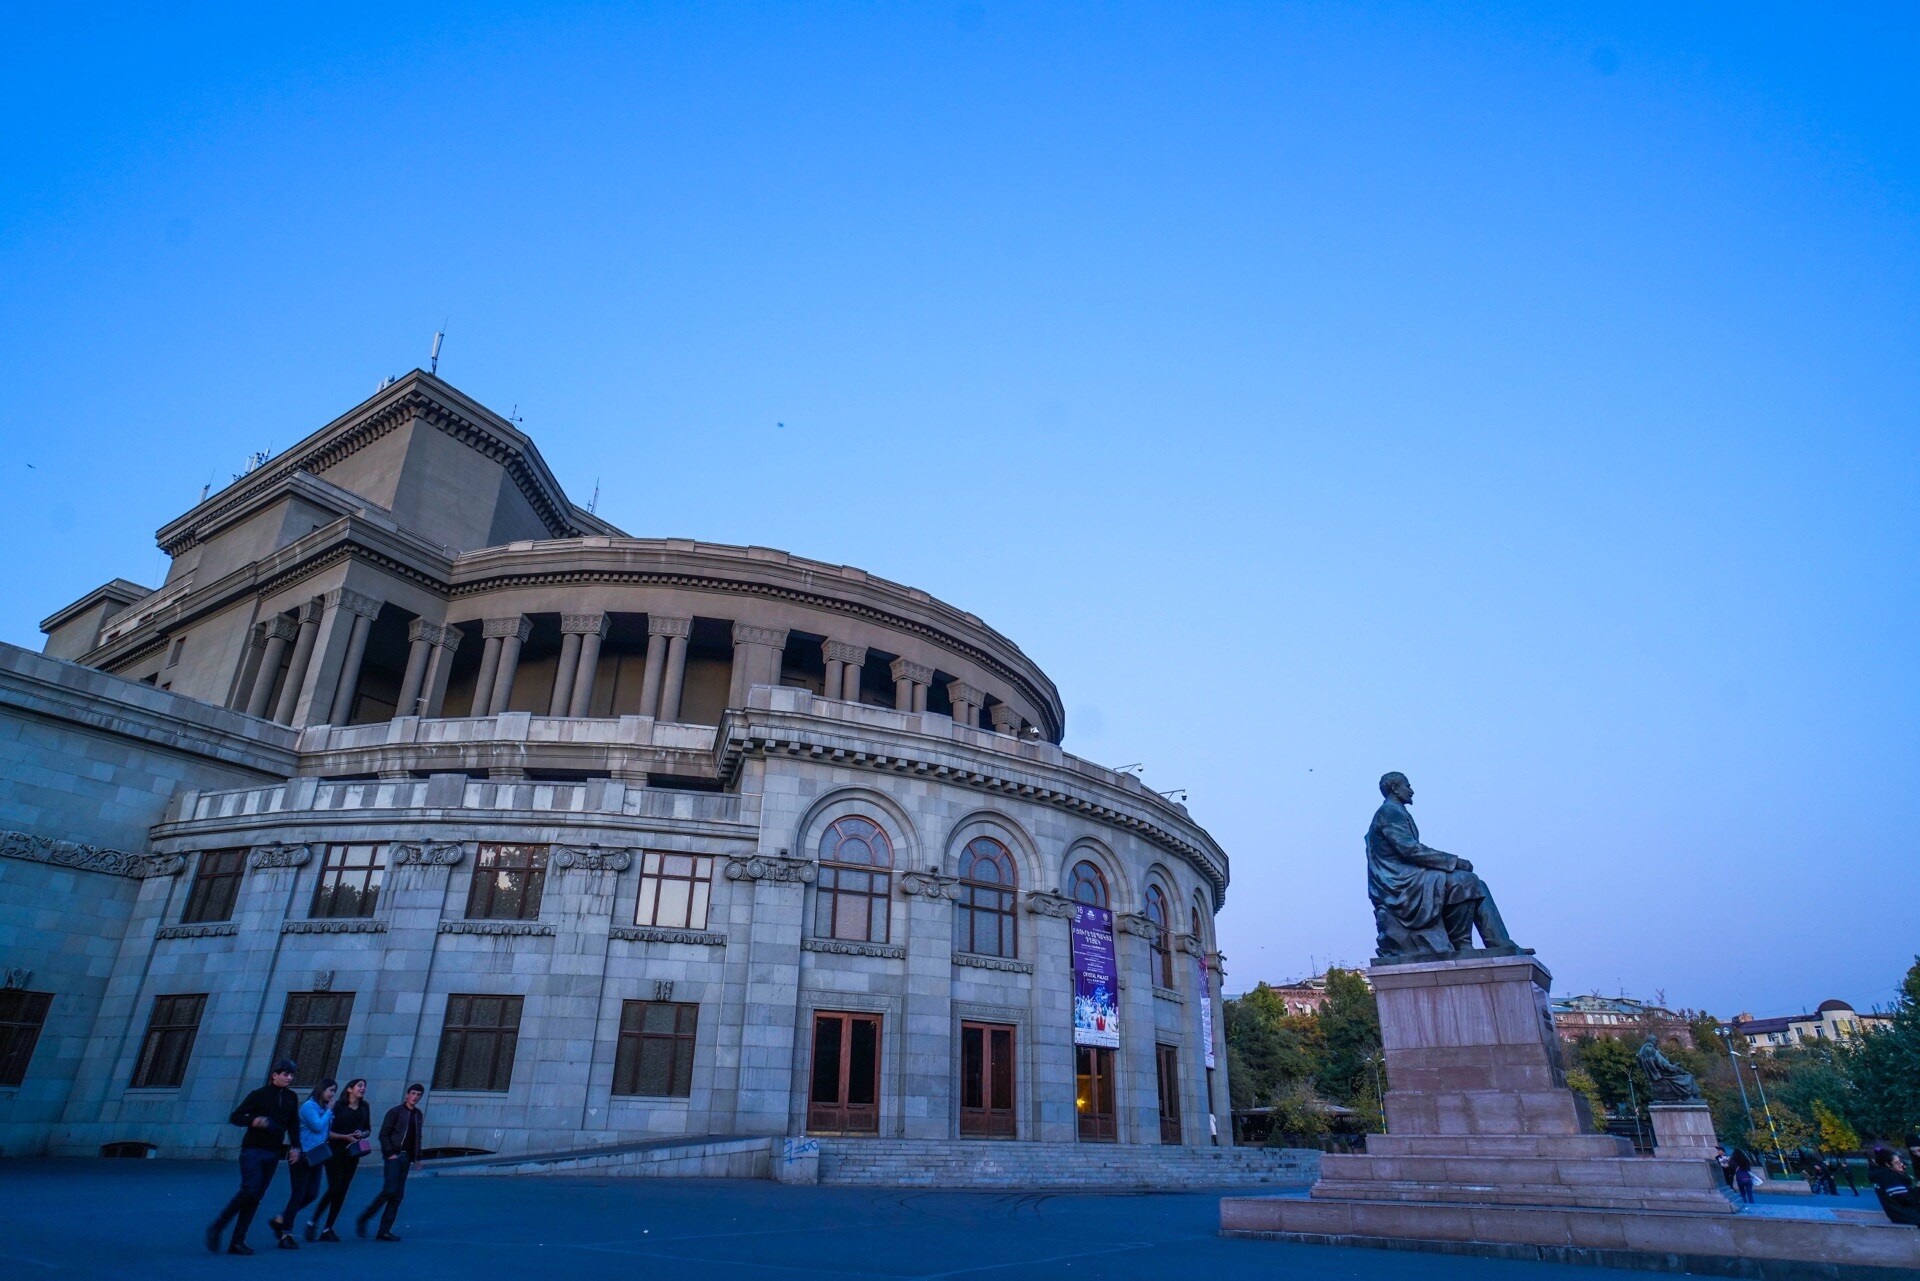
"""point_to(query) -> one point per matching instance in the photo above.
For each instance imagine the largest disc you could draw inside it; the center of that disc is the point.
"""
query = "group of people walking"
(330, 1133)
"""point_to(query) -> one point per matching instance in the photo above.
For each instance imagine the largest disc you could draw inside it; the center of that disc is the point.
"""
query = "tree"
(1835, 1135)
(1885, 1068)
(1582, 1084)
(1351, 1071)
(1268, 1049)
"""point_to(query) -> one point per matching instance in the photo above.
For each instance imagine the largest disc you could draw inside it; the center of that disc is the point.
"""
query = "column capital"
(584, 624)
(961, 692)
(905, 669)
(433, 633)
(844, 652)
(313, 610)
(353, 602)
(280, 627)
(1005, 719)
(257, 638)
(747, 634)
(519, 627)
(661, 625)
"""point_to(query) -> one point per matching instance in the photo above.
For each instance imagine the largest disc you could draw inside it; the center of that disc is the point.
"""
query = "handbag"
(317, 1156)
(359, 1148)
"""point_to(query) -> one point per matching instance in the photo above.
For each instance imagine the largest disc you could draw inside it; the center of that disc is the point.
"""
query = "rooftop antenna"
(513, 415)
(433, 359)
(593, 504)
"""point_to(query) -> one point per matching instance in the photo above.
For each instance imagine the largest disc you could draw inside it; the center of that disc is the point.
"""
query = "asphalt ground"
(145, 1219)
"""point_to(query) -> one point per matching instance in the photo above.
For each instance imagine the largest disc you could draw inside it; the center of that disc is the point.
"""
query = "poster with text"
(1096, 986)
(1206, 1009)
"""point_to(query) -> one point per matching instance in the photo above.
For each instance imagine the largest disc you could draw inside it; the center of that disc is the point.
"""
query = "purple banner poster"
(1206, 1009)
(1096, 982)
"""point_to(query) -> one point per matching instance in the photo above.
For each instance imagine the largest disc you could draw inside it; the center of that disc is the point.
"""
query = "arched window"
(1087, 885)
(852, 900)
(987, 882)
(1162, 942)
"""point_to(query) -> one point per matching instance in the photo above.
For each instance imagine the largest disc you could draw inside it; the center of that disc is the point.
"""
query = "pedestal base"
(1683, 1130)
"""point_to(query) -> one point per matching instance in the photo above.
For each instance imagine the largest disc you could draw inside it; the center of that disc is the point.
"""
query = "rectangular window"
(312, 1029)
(174, 1023)
(22, 1015)
(655, 1056)
(674, 890)
(507, 883)
(852, 903)
(216, 883)
(477, 1043)
(349, 881)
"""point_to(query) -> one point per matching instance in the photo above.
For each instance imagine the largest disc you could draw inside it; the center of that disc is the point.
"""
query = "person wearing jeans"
(270, 1118)
(399, 1153)
(352, 1127)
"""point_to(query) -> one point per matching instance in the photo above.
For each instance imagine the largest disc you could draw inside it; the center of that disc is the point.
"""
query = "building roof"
(1826, 1006)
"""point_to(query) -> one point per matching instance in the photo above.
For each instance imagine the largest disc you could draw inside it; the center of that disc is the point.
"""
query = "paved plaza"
(139, 1219)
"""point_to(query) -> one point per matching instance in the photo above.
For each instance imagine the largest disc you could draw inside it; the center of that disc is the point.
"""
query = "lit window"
(675, 890)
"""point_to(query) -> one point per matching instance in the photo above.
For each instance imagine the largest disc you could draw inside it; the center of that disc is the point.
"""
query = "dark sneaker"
(385, 1235)
(213, 1237)
(360, 1227)
(279, 1228)
(329, 1235)
(287, 1242)
(313, 1231)
(239, 1247)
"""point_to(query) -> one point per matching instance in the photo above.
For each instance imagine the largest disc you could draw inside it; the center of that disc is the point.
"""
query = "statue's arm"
(1406, 846)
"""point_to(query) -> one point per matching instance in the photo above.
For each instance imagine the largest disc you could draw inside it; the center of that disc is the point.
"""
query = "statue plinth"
(1683, 1130)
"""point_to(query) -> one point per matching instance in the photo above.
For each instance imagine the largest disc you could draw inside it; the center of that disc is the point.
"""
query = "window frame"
(176, 1031)
(484, 891)
(373, 880)
(836, 877)
(1099, 882)
(1162, 938)
(203, 906)
(23, 1017)
(992, 900)
(655, 877)
(290, 1041)
(455, 1038)
(631, 1045)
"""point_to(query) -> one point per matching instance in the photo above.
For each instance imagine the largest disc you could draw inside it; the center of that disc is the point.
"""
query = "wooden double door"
(987, 1081)
(1093, 1094)
(843, 1096)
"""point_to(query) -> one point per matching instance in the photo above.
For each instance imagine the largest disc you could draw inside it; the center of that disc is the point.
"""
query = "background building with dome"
(1833, 1021)
(415, 769)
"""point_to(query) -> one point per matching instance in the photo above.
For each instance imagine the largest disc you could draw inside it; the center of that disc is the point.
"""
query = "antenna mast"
(433, 360)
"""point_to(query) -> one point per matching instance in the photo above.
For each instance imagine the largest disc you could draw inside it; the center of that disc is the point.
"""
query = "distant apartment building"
(1575, 1017)
(1832, 1021)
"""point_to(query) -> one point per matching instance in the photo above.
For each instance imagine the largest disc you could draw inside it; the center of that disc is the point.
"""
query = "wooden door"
(844, 1096)
(986, 1081)
(1166, 1062)
(1093, 1094)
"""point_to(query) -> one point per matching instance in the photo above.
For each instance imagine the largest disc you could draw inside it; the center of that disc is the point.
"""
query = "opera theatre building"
(413, 769)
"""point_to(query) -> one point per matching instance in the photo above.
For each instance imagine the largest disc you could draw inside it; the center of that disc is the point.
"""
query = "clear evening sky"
(1520, 397)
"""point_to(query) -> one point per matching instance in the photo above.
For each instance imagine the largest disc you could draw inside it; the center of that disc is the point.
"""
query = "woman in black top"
(352, 1123)
(1893, 1187)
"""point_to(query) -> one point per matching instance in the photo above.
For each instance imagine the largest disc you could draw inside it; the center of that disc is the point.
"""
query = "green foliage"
(1291, 1061)
(1835, 1135)
(1268, 1050)
(1350, 1023)
(1885, 1069)
(1583, 1085)
(1297, 1114)
(1609, 1063)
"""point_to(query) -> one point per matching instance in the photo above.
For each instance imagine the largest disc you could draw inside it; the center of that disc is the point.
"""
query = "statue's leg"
(1458, 916)
(1493, 930)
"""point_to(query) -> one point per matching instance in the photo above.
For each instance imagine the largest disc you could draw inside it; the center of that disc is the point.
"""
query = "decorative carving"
(433, 633)
(841, 947)
(280, 627)
(209, 930)
(961, 692)
(746, 634)
(313, 610)
(1005, 719)
(660, 625)
(770, 867)
(429, 854)
(663, 989)
(1041, 903)
(592, 858)
(1134, 923)
(15, 978)
(584, 624)
(931, 884)
(353, 602)
(904, 669)
(280, 856)
(347, 925)
(1006, 964)
(843, 652)
(661, 934)
(87, 858)
(519, 626)
(1168, 994)
(512, 929)
(322, 980)
(1190, 944)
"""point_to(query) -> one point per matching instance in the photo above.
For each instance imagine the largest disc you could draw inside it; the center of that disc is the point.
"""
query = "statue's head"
(1394, 786)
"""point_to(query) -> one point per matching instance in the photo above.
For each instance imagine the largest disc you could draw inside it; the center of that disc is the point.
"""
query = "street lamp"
(1771, 1127)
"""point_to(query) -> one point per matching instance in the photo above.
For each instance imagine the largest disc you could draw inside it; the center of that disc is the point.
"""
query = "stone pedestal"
(1683, 1130)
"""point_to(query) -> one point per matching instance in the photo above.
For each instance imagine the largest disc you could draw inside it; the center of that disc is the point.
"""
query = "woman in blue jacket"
(316, 1123)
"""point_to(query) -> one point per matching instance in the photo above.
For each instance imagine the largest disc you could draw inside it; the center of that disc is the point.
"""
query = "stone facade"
(659, 828)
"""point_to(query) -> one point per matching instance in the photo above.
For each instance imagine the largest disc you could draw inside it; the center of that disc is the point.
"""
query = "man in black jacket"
(271, 1118)
(399, 1153)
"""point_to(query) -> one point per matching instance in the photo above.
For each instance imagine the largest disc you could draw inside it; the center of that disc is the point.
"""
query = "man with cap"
(270, 1117)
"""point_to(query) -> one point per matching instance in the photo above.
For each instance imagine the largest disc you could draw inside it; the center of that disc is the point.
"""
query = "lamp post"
(1733, 1061)
(1772, 1129)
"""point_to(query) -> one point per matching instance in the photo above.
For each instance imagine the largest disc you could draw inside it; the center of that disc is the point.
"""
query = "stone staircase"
(711, 1156)
(926, 1163)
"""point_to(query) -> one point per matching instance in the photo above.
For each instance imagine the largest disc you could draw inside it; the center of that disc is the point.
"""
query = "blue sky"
(1521, 397)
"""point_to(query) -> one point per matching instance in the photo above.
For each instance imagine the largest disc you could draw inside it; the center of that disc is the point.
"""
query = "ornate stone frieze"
(843, 652)
(931, 884)
(746, 634)
(658, 934)
(661, 625)
(1041, 903)
(904, 669)
(322, 980)
(589, 858)
(1190, 944)
(1168, 994)
(519, 627)
(15, 977)
(1134, 923)
(771, 867)
(87, 858)
(280, 856)
(584, 624)
(1005, 964)
(841, 947)
(429, 853)
(343, 925)
(207, 930)
(506, 929)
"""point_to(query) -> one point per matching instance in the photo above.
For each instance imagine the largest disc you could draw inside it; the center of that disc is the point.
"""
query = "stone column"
(562, 697)
(656, 669)
(591, 629)
(489, 667)
(1137, 1074)
(280, 632)
(446, 640)
(419, 651)
(676, 630)
(339, 610)
(513, 633)
(966, 703)
(302, 657)
(756, 659)
(249, 667)
(855, 658)
(1005, 719)
(1050, 1002)
(363, 610)
(910, 681)
(770, 894)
